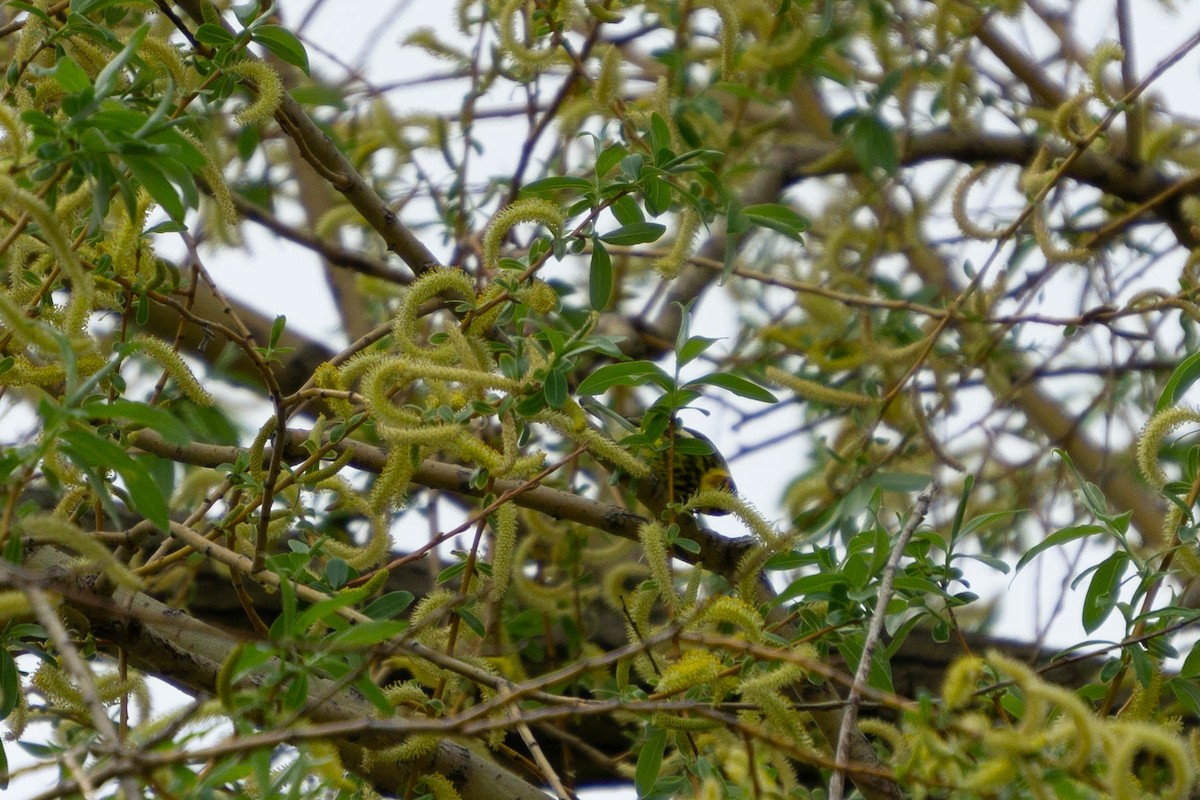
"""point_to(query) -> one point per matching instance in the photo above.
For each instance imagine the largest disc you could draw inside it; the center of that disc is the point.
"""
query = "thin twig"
(535, 749)
(73, 663)
(887, 580)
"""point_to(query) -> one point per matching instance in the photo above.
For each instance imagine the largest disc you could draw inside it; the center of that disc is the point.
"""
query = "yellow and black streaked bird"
(696, 465)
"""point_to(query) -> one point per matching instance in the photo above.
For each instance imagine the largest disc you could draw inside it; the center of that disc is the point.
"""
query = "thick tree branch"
(189, 654)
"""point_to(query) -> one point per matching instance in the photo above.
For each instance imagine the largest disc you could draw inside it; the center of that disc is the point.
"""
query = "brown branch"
(165, 642)
(324, 156)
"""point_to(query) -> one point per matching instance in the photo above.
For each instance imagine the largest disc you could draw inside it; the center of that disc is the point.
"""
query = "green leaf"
(365, 634)
(283, 43)
(906, 482)
(548, 186)
(983, 520)
(733, 383)
(692, 160)
(1102, 593)
(627, 211)
(1057, 539)
(70, 75)
(314, 96)
(556, 387)
(660, 138)
(276, 330)
(995, 562)
(818, 585)
(1180, 381)
(1092, 497)
(148, 171)
(390, 605)
(685, 326)
(95, 454)
(337, 572)
(85, 7)
(789, 560)
(778, 218)
(246, 12)
(1143, 666)
(686, 544)
(325, 608)
(628, 373)
(10, 683)
(735, 225)
(1191, 665)
(157, 419)
(600, 277)
(294, 693)
(873, 144)
(375, 696)
(451, 572)
(609, 158)
(657, 193)
(650, 761)
(1187, 692)
(637, 233)
(106, 81)
(213, 35)
(879, 675)
(472, 621)
(693, 347)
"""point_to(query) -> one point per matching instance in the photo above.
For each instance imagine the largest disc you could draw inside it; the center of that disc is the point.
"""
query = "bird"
(696, 465)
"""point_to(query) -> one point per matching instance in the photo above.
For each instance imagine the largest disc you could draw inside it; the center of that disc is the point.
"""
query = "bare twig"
(837, 783)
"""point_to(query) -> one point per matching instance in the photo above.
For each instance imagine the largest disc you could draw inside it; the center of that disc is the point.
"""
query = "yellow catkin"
(221, 193)
(670, 265)
(318, 474)
(405, 325)
(26, 331)
(775, 679)
(14, 604)
(440, 787)
(958, 687)
(375, 549)
(1151, 438)
(504, 538)
(390, 489)
(1053, 252)
(167, 56)
(732, 611)
(173, 364)
(13, 143)
(1071, 120)
(268, 91)
(15, 198)
(607, 89)
(653, 537)
(425, 38)
(1127, 743)
(696, 668)
(510, 42)
(958, 206)
(415, 747)
(818, 392)
(529, 209)
(1105, 53)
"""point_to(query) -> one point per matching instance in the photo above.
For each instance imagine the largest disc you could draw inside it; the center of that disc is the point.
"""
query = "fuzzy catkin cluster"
(1053, 733)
